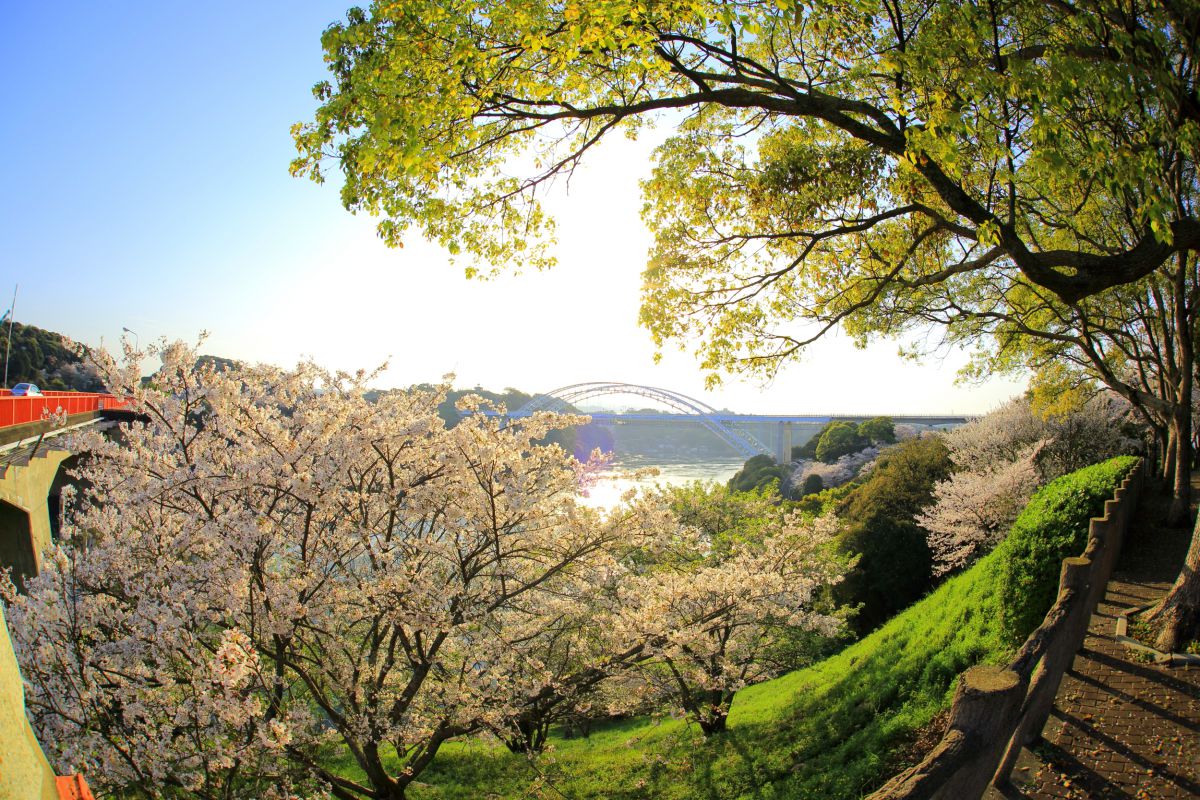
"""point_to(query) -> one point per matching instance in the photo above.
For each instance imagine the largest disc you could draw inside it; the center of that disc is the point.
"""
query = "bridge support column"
(24, 772)
(783, 452)
(25, 512)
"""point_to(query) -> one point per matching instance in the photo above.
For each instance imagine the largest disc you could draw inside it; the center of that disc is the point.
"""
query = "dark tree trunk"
(1182, 417)
(714, 716)
(1181, 478)
(1160, 450)
(714, 723)
(1164, 447)
(1179, 611)
(1168, 462)
(529, 737)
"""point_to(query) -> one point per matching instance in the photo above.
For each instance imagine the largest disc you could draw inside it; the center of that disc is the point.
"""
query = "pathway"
(1122, 728)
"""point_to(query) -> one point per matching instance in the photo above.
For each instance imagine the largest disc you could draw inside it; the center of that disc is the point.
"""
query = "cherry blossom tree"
(1002, 458)
(973, 509)
(841, 471)
(1073, 438)
(270, 586)
(567, 662)
(712, 623)
(270, 569)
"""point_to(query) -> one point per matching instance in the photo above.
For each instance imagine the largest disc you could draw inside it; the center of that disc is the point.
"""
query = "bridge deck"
(19, 446)
(748, 418)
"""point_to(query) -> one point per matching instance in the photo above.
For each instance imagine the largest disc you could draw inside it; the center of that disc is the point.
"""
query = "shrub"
(825, 501)
(880, 430)
(839, 439)
(1052, 527)
(895, 568)
(757, 472)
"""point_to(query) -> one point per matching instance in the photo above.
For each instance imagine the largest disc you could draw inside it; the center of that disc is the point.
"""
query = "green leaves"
(1052, 527)
(863, 165)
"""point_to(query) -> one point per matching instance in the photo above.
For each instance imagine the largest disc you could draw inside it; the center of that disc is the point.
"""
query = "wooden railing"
(999, 710)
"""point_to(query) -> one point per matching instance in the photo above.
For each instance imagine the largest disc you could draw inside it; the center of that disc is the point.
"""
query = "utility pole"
(12, 314)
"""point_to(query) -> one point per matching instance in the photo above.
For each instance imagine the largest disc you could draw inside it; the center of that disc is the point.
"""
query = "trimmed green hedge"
(1052, 527)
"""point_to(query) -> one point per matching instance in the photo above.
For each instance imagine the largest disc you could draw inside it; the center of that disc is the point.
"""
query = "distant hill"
(511, 399)
(218, 363)
(51, 360)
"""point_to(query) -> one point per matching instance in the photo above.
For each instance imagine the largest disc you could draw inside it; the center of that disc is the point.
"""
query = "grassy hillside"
(834, 730)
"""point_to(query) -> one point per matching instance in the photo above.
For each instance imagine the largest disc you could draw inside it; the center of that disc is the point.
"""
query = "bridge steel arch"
(560, 399)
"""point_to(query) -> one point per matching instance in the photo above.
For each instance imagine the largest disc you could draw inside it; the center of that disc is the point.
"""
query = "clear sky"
(146, 186)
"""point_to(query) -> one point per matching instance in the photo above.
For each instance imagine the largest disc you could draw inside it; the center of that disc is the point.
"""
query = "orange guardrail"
(19, 410)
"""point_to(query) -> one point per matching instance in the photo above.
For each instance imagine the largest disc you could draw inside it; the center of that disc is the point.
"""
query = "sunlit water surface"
(607, 491)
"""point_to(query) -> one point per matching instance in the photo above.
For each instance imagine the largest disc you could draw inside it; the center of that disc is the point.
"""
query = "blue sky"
(146, 186)
(147, 149)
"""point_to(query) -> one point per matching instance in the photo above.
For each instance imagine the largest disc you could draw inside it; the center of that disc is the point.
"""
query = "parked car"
(26, 390)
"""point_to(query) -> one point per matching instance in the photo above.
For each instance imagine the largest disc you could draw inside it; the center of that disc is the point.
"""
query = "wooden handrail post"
(1060, 652)
(985, 706)
(961, 765)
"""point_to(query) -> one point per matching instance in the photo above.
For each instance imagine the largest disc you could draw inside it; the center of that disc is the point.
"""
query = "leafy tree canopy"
(878, 429)
(808, 450)
(839, 439)
(847, 163)
(880, 519)
(757, 474)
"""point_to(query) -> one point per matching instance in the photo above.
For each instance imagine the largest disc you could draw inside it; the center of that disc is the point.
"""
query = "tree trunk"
(714, 723)
(1168, 462)
(1182, 417)
(529, 736)
(1160, 450)
(1179, 611)
(1181, 483)
(712, 717)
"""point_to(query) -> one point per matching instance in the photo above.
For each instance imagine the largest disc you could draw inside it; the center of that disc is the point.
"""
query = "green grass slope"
(834, 730)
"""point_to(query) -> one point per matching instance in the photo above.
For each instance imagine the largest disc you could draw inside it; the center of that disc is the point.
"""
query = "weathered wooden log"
(1100, 536)
(960, 767)
(1060, 634)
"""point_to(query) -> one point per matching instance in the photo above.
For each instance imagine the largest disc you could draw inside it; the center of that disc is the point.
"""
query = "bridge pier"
(25, 533)
(783, 450)
(25, 529)
(25, 774)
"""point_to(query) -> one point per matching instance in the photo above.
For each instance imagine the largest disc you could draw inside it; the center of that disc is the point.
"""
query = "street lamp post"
(12, 315)
(136, 344)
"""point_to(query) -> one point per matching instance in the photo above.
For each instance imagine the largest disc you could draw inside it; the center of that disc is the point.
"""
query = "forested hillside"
(48, 359)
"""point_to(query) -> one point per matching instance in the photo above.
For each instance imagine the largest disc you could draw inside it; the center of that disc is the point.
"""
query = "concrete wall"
(25, 512)
(24, 772)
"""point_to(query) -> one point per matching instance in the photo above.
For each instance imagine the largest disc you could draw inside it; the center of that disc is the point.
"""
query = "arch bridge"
(733, 429)
(723, 425)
